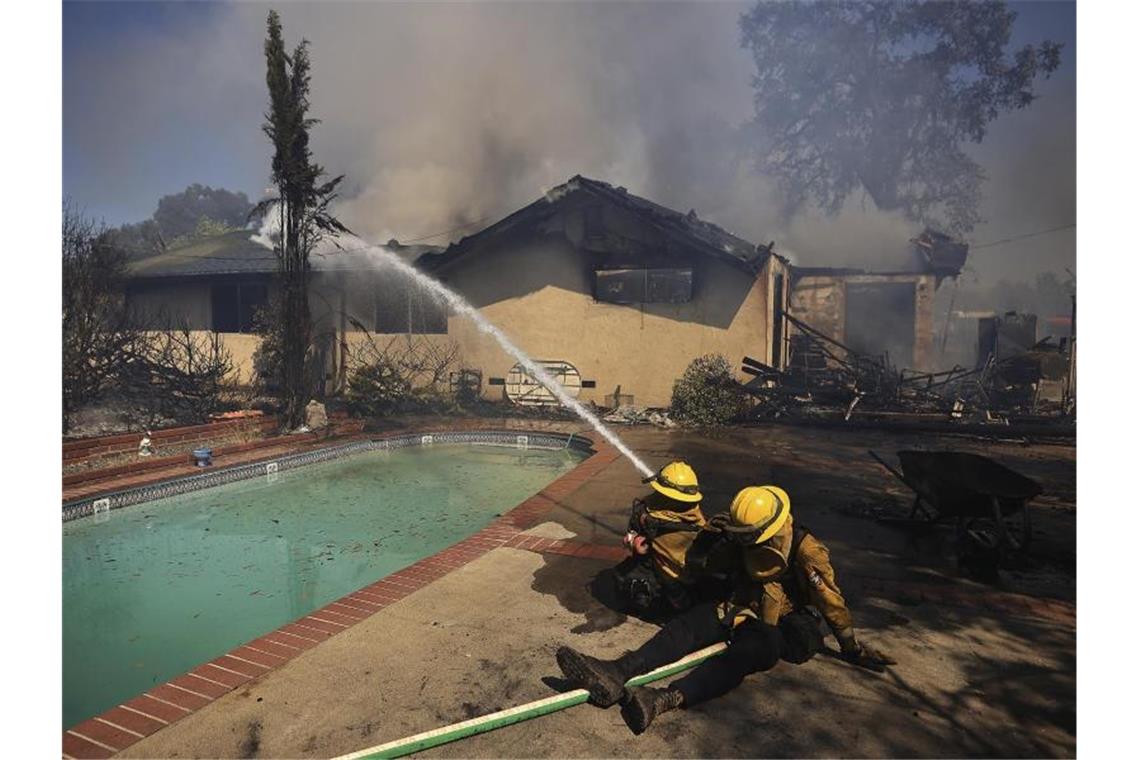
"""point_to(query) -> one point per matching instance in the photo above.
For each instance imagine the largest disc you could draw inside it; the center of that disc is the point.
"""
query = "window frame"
(643, 289)
(242, 296)
(432, 317)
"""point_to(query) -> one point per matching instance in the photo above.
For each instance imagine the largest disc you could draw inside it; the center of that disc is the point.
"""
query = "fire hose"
(484, 723)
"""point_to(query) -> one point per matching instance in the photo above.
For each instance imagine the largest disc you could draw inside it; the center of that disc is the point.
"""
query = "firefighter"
(781, 573)
(662, 527)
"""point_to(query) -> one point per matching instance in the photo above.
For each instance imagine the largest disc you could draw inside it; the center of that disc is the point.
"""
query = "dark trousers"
(752, 647)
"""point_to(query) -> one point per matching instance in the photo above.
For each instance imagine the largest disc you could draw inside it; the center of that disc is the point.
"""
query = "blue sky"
(143, 146)
(418, 102)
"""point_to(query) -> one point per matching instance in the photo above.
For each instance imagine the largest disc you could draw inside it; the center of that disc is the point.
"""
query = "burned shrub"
(404, 374)
(97, 334)
(377, 388)
(707, 394)
(268, 358)
(177, 375)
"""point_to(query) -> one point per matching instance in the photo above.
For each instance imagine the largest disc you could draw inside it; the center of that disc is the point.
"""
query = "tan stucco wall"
(540, 295)
(241, 348)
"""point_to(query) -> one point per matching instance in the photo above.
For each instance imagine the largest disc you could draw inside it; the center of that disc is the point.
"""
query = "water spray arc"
(387, 259)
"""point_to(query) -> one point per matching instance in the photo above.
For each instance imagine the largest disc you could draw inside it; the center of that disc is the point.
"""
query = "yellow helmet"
(765, 508)
(677, 481)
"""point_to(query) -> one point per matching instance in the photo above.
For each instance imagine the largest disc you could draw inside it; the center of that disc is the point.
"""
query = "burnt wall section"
(870, 312)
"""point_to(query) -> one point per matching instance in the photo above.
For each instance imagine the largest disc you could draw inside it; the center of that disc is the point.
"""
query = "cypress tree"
(301, 207)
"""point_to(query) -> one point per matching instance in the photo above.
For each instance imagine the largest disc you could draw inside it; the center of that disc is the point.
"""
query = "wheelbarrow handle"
(890, 469)
(918, 492)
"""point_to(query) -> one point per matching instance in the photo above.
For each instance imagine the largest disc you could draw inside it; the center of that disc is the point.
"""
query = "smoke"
(446, 117)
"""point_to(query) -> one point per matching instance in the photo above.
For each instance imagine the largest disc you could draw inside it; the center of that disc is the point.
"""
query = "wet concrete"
(593, 597)
(973, 678)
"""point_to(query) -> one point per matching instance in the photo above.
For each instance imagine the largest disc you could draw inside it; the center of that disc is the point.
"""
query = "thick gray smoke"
(443, 115)
(446, 116)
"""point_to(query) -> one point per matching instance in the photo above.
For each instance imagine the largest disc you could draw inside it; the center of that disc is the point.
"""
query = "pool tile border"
(128, 723)
(88, 505)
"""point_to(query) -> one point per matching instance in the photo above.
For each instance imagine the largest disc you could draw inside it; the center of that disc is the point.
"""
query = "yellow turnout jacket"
(668, 550)
(777, 583)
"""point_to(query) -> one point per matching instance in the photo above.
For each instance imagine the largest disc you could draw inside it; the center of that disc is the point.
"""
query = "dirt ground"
(982, 669)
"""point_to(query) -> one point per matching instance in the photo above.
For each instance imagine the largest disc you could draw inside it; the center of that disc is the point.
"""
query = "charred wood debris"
(826, 380)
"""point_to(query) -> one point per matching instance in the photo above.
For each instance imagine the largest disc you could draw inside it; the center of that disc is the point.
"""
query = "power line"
(445, 232)
(1022, 237)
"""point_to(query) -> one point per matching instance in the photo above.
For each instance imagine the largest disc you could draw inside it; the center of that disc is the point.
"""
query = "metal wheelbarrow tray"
(970, 489)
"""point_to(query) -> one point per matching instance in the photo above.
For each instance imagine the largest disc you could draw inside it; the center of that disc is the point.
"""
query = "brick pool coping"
(123, 725)
(105, 481)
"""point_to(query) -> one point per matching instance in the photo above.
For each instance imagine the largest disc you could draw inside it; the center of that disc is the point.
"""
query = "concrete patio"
(982, 670)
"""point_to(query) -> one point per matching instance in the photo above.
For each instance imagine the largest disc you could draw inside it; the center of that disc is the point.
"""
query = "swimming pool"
(152, 590)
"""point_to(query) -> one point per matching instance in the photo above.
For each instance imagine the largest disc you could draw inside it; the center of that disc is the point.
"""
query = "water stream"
(384, 258)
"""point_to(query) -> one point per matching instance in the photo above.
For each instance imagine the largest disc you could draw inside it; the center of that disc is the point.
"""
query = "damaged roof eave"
(741, 253)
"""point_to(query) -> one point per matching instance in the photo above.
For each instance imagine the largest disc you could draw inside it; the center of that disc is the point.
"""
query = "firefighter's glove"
(868, 658)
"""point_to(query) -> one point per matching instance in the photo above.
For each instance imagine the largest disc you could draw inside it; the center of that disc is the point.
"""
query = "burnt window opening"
(234, 306)
(643, 285)
(401, 310)
(880, 319)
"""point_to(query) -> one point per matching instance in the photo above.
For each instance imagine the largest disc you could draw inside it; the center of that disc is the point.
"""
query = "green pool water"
(162, 587)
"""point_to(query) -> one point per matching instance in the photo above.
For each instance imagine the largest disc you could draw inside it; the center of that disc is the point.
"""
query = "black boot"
(604, 679)
(644, 703)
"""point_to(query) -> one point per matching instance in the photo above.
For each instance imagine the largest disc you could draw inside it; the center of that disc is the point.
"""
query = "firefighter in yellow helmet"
(662, 527)
(778, 575)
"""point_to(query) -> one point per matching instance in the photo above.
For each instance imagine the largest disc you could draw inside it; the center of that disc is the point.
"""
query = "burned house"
(614, 294)
(611, 291)
(218, 284)
(880, 314)
(1029, 369)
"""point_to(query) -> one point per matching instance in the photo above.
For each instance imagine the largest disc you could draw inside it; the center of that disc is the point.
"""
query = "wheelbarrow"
(982, 496)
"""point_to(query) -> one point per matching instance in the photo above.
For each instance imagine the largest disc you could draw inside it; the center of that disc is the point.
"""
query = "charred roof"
(695, 233)
(941, 254)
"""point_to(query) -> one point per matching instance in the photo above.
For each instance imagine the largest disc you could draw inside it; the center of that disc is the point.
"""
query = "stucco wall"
(540, 295)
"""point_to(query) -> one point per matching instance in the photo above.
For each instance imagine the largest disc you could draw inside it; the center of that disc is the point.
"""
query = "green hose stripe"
(485, 723)
(490, 722)
(677, 667)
